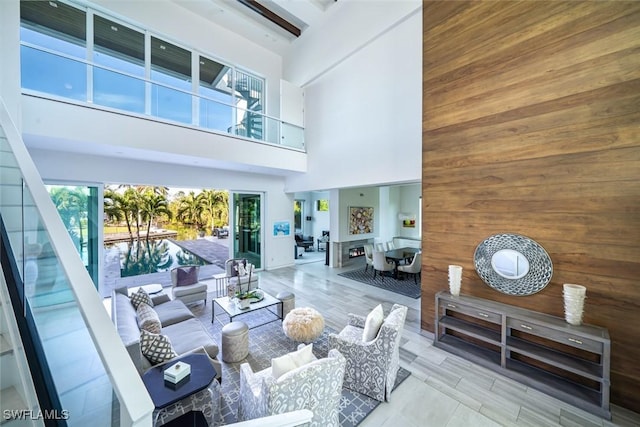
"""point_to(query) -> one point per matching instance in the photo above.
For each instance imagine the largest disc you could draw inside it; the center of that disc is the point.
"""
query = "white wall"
(363, 118)
(410, 204)
(60, 166)
(349, 26)
(357, 197)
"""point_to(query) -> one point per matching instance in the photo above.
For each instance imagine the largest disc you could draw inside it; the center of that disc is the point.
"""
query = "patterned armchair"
(372, 366)
(316, 386)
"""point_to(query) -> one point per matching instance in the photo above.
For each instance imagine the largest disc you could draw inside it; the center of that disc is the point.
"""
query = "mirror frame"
(540, 265)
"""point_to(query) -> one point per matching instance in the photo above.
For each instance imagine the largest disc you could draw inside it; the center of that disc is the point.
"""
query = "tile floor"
(443, 390)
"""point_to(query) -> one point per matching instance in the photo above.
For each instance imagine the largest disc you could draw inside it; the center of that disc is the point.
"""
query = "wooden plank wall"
(531, 125)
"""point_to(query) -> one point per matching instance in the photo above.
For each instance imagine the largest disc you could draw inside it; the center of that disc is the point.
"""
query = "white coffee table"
(229, 306)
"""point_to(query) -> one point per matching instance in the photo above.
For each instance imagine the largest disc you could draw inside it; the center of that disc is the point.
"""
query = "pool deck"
(211, 249)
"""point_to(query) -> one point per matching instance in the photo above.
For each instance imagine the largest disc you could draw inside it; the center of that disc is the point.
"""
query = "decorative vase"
(455, 279)
(574, 296)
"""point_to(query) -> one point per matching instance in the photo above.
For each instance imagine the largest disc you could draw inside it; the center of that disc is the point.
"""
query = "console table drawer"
(471, 311)
(559, 336)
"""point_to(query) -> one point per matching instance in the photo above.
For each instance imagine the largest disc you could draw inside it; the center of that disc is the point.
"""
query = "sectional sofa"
(186, 333)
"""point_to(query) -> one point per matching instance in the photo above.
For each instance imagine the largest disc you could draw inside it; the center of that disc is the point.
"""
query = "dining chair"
(368, 256)
(381, 264)
(414, 268)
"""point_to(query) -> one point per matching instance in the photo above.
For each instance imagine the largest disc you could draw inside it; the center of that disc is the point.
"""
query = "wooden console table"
(571, 363)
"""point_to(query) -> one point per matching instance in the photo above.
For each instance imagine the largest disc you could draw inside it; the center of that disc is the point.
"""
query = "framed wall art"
(281, 228)
(360, 220)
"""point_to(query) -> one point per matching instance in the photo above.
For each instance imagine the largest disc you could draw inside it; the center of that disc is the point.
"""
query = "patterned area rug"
(267, 342)
(407, 287)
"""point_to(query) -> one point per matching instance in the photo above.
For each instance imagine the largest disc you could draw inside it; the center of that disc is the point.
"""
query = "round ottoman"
(235, 342)
(288, 303)
(303, 324)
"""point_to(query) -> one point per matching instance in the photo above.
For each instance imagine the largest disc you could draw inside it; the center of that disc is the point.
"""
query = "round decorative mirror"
(513, 264)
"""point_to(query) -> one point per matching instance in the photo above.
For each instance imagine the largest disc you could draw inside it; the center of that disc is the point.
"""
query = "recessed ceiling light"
(53, 4)
(114, 28)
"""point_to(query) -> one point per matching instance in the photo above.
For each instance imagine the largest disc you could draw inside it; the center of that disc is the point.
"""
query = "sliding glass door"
(79, 210)
(247, 226)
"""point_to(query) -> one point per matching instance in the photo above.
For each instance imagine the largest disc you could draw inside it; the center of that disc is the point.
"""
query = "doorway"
(247, 226)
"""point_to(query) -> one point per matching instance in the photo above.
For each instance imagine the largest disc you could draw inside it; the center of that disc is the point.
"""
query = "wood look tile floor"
(443, 390)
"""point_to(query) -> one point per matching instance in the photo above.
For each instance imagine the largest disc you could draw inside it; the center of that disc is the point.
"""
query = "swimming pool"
(152, 256)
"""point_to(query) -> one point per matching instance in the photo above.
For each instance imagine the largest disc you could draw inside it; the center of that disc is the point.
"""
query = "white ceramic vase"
(574, 296)
(455, 279)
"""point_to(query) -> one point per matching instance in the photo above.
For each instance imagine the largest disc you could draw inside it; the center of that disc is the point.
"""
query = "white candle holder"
(455, 279)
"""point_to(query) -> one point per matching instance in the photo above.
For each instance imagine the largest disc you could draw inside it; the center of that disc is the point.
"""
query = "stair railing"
(77, 340)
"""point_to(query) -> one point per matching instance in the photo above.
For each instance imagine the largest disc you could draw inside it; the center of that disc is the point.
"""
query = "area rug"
(269, 341)
(407, 287)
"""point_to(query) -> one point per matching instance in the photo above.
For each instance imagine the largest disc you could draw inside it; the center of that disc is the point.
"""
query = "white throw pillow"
(290, 361)
(372, 324)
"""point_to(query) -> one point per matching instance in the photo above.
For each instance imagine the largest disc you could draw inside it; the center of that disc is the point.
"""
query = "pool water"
(153, 256)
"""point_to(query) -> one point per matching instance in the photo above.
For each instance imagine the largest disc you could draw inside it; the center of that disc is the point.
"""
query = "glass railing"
(81, 81)
(92, 379)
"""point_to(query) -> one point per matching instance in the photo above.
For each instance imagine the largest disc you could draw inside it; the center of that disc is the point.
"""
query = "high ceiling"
(247, 18)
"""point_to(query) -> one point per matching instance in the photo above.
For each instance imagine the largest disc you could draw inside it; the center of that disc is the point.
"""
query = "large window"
(171, 67)
(216, 88)
(120, 50)
(60, 28)
(250, 93)
(298, 211)
(133, 70)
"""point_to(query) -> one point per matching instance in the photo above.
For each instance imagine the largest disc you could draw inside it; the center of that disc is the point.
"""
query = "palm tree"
(153, 205)
(190, 210)
(132, 204)
(216, 204)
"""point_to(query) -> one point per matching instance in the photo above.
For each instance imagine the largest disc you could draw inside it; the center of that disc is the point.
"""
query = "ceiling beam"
(271, 16)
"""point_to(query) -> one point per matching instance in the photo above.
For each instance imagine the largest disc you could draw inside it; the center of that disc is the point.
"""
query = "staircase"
(17, 393)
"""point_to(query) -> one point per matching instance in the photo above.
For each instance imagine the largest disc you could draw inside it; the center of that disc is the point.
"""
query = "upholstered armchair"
(186, 286)
(371, 366)
(316, 386)
(244, 282)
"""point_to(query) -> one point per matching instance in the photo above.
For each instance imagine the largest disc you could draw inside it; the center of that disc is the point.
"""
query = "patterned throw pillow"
(139, 297)
(156, 348)
(148, 319)
(187, 276)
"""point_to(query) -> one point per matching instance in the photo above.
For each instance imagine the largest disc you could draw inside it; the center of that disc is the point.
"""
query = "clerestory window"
(77, 53)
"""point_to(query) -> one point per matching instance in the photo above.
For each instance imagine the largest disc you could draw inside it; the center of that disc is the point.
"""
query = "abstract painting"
(360, 220)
